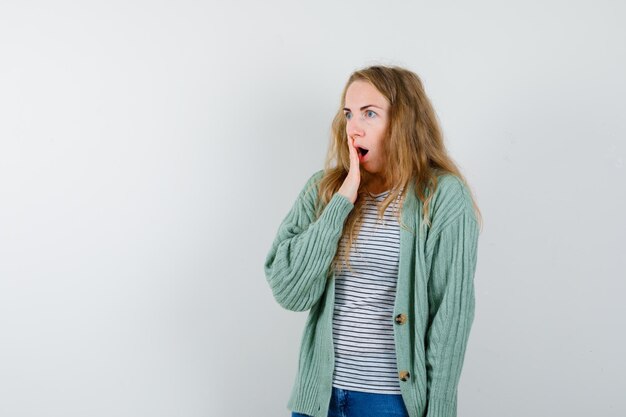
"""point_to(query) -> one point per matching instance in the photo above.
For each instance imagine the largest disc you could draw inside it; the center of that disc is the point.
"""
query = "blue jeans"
(347, 403)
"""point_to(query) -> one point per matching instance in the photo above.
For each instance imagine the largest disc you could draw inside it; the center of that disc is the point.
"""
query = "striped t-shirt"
(365, 357)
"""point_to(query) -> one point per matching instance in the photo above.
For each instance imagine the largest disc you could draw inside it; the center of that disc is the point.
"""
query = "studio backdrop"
(149, 151)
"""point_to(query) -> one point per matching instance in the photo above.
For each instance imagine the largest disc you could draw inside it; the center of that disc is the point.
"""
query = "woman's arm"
(297, 264)
(453, 255)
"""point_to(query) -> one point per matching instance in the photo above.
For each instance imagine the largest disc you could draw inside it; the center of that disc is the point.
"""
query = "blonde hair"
(414, 149)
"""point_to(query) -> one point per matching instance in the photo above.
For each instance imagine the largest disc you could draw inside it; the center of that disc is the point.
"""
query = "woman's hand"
(350, 186)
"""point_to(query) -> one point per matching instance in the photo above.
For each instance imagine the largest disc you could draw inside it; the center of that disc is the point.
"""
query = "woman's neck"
(375, 185)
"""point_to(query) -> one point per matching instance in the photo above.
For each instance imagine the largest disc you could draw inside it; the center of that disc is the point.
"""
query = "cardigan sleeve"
(451, 310)
(298, 262)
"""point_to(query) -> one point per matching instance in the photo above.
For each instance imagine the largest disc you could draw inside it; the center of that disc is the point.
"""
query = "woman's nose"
(354, 127)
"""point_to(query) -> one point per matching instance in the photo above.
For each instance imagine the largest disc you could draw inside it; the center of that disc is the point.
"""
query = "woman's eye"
(370, 114)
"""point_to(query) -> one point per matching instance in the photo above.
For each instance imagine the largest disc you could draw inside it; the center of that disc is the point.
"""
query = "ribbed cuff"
(337, 210)
(441, 408)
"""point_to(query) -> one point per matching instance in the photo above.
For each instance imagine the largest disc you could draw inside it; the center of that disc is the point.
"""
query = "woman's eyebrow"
(364, 107)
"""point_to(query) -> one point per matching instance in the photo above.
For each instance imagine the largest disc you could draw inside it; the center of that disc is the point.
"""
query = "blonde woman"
(381, 247)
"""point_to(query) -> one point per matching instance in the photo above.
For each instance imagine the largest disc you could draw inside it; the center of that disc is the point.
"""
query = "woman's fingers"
(350, 186)
(354, 155)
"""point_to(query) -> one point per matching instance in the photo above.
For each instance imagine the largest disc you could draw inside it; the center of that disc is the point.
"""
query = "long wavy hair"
(414, 150)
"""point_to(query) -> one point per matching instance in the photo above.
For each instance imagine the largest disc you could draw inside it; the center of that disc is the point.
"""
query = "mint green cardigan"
(434, 292)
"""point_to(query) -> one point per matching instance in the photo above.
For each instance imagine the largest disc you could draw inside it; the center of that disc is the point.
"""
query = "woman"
(381, 247)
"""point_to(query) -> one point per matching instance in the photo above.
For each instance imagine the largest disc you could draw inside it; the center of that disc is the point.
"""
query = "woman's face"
(367, 118)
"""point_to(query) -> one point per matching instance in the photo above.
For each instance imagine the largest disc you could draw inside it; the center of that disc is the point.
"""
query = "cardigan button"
(401, 318)
(404, 375)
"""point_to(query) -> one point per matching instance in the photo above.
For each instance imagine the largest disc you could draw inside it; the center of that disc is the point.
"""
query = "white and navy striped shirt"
(365, 357)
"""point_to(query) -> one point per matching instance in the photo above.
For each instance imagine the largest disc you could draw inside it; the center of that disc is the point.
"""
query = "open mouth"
(362, 151)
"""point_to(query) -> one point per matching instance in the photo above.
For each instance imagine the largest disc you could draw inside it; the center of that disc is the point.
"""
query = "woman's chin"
(368, 169)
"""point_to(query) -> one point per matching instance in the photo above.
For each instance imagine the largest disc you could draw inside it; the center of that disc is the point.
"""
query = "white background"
(149, 151)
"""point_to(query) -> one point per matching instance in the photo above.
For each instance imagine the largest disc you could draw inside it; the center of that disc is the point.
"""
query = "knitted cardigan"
(434, 294)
